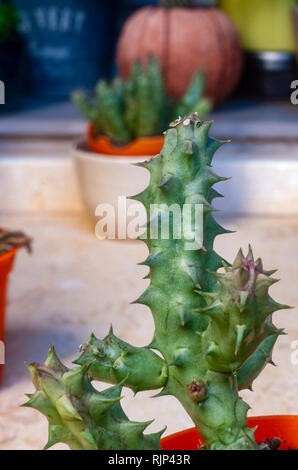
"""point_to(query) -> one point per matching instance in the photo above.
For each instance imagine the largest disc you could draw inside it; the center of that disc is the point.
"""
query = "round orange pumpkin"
(184, 40)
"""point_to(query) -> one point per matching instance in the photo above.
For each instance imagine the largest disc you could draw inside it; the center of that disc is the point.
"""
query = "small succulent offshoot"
(213, 323)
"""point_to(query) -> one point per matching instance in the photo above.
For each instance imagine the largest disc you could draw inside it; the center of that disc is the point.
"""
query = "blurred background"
(59, 47)
(69, 75)
(49, 49)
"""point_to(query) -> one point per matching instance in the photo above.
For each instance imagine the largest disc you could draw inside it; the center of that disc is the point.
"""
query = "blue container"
(68, 43)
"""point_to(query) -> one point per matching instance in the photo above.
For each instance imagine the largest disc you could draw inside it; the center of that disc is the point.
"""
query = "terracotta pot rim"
(271, 420)
(5, 256)
(81, 151)
(143, 146)
(6, 264)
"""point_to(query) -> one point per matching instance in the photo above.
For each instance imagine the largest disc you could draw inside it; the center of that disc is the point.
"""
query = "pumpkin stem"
(178, 3)
(187, 3)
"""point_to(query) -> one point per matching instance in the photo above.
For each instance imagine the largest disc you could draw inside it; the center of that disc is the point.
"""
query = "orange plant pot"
(6, 265)
(285, 427)
(138, 147)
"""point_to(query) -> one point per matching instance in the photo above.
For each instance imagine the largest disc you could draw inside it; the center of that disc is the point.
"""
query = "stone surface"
(74, 284)
(235, 120)
(35, 146)
(264, 175)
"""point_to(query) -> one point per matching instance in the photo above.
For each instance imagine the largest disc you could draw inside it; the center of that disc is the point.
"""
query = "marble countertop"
(74, 284)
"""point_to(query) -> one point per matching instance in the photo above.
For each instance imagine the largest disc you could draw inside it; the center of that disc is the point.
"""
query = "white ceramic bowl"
(103, 178)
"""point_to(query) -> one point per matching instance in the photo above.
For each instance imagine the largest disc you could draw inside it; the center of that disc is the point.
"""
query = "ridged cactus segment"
(182, 175)
(109, 115)
(223, 415)
(180, 277)
(254, 365)
(150, 98)
(113, 361)
(240, 314)
(79, 415)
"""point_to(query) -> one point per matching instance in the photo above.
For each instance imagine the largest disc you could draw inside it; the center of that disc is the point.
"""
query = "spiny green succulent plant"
(213, 319)
(139, 107)
(79, 415)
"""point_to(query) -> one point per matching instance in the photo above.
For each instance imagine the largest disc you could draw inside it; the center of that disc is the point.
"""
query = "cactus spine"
(213, 329)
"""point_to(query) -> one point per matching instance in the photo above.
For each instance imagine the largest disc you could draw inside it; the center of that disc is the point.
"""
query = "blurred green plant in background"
(140, 106)
(9, 19)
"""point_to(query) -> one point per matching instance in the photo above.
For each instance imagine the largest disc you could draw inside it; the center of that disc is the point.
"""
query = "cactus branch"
(113, 361)
(79, 415)
(254, 365)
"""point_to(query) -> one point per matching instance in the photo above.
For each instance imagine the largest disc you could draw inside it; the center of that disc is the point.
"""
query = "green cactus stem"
(79, 415)
(213, 320)
(111, 105)
(207, 324)
(10, 239)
